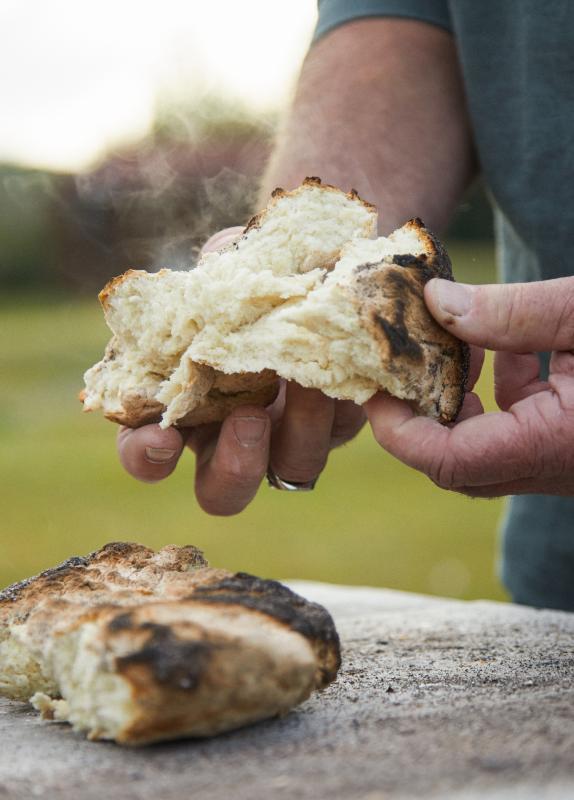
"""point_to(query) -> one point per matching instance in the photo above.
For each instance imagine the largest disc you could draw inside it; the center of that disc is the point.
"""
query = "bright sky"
(77, 77)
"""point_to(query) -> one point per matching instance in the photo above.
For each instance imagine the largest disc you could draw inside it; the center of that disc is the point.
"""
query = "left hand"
(527, 447)
(293, 437)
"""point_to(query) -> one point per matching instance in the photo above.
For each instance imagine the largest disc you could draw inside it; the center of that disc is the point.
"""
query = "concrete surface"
(436, 698)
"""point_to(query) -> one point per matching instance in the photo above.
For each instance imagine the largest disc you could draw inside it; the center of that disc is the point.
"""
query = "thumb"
(520, 317)
(222, 239)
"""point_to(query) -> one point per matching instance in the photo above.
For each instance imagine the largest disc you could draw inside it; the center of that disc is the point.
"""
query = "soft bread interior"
(155, 317)
(22, 673)
(317, 340)
(261, 669)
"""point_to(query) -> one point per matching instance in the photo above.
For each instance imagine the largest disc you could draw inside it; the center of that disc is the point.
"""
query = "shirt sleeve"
(333, 13)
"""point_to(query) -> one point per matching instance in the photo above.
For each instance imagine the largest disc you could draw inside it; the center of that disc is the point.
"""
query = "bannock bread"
(305, 294)
(136, 646)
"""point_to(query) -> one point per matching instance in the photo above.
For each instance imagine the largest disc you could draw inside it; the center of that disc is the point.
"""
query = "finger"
(230, 468)
(562, 364)
(221, 239)
(202, 439)
(300, 444)
(150, 453)
(275, 410)
(471, 407)
(555, 486)
(349, 419)
(516, 376)
(480, 451)
(521, 317)
(475, 367)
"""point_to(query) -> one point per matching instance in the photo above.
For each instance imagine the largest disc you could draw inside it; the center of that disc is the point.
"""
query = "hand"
(527, 447)
(294, 437)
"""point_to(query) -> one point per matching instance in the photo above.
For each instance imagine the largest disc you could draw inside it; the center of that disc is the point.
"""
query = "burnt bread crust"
(278, 601)
(188, 650)
(413, 347)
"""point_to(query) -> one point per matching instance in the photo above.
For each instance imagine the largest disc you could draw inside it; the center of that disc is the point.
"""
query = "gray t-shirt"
(517, 60)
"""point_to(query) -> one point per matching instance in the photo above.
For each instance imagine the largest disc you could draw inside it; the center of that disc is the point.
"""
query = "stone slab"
(436, 698)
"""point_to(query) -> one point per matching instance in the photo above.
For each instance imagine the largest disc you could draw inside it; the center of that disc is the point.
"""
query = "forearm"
(380, 108)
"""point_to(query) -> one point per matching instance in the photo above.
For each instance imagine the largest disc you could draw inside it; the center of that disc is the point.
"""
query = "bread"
(306, 294)
(365, 327)
(136, 646)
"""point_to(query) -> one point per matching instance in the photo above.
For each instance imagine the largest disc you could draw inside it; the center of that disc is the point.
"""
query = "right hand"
(293, 436)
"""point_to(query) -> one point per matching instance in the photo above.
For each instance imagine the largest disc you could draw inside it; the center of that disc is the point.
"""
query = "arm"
(380, 108)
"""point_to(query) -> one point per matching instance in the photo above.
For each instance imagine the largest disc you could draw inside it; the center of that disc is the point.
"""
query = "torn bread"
(283, 253)
(136, 646)
(306, 295)
(365, 327)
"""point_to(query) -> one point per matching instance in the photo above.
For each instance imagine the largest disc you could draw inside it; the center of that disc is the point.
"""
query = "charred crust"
(120, 551)
(66, 575)
(271, 598)
(406, 260)
(464, 360)
(441, 264)
(400, 342)
(172, 661)
(123, 622)
(49, 576)
(402, 285)
(254, 222)
(367, 265)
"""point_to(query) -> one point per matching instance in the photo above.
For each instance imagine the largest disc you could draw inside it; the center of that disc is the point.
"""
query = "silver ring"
(275, 482)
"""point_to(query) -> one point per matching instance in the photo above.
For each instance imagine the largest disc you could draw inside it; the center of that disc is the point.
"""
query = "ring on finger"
(275, 482)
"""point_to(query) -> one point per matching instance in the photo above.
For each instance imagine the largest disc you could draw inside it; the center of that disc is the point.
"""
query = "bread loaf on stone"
(136, 646)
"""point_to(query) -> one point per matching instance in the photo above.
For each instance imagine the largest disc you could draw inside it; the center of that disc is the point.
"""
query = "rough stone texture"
(435, 698)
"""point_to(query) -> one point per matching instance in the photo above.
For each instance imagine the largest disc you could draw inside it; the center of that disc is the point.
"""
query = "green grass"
(370, 520)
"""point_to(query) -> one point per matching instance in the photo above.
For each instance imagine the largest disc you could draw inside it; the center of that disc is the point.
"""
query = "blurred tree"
(27, 237)
(152, 203)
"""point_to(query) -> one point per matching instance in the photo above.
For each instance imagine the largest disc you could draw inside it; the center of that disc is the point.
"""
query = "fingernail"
(454, 298)
(159, 455)
(249, 430)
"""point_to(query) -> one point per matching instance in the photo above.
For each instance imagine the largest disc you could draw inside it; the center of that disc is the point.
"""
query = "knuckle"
(548, 433)
(507, 315)
(299, 469)
(509, 310)
(563, 322)
(443, 471)
(236, 475)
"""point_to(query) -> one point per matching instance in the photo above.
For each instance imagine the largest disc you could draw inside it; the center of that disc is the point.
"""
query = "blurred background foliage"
(151, 204)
